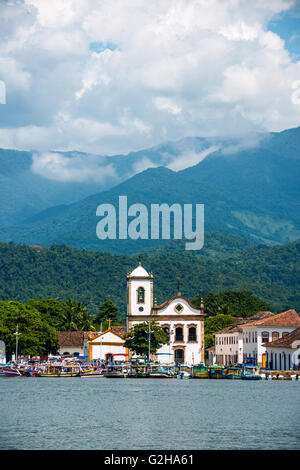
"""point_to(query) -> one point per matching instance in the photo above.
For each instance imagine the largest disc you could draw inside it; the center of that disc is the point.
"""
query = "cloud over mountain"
(108, 77)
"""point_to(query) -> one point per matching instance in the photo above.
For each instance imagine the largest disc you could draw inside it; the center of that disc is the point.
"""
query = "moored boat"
(52, 371)
(216, 372)
(162, 372)
(200, 372)
(11, 371)
(250, 372)
(233, 372)
(116, 371)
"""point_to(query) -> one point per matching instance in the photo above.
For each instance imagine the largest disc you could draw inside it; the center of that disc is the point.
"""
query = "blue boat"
(250, 372)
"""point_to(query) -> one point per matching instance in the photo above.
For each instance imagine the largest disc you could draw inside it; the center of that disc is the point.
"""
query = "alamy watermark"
(153, 224)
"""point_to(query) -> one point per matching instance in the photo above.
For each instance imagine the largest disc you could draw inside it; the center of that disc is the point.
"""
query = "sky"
(114, 76)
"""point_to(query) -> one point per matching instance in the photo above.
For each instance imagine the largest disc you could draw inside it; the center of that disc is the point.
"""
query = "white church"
(183, 321)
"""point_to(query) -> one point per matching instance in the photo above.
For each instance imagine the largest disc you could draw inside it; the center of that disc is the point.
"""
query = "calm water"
(149, 414)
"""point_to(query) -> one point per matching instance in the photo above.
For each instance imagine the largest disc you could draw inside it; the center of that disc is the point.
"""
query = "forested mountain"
(248, 191)
(62, 272)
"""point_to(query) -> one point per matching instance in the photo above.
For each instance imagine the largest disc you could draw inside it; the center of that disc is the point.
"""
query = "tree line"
(39, 320)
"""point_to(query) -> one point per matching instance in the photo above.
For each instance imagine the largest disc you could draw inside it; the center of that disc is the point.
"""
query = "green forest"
(61, 272)
(45, 290)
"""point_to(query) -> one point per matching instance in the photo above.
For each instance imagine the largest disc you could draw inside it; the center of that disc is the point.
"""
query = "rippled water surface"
(110, 414)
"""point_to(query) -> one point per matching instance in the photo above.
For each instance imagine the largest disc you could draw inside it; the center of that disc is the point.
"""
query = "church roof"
(179, 297)
(139, 272)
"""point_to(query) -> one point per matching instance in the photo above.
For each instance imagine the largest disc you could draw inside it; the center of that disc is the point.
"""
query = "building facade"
(248, 336)
(284, 353)
(108, 346)
(178, 316)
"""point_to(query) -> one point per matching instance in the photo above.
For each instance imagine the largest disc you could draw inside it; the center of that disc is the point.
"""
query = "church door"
(179, 356)
(108, 357)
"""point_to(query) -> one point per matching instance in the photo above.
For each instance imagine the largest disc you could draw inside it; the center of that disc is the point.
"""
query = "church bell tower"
(139, 294)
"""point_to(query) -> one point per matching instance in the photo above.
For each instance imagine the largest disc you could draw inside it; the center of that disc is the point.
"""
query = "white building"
(284, 353)
(183, 321)
(248, 336)
(109, 345)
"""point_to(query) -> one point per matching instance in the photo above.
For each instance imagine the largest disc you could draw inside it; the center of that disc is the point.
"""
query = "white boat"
(11, 372)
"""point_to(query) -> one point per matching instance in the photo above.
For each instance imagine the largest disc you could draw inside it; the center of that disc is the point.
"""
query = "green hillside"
(61, 272)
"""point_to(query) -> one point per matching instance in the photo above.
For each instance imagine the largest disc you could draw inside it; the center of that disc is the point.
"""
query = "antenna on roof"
(140, 260)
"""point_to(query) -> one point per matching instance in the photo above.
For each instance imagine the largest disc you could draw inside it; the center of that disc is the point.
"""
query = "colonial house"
(247, 337)
(73, 342)
(178, 316)
(284, 353)
(109, 345)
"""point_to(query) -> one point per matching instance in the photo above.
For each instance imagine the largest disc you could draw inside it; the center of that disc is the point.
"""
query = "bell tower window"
(140, 295)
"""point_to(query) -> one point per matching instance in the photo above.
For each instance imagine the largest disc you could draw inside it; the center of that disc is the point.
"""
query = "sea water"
(163, 414)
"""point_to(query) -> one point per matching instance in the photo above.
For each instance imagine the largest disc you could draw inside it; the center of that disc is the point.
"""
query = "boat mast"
(17, 334)
(149, 336)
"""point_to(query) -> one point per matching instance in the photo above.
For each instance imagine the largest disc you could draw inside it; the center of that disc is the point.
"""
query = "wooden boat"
(162, 372)
(200, 372)
(92, 373)
(233, 372)
(117, 371)
(250, 372)
(11, 371)
(216, 372)
(55, 371)
(139, 371)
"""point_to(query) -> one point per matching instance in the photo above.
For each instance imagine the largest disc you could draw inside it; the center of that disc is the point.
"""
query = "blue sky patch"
(287, 26)
(99, 46)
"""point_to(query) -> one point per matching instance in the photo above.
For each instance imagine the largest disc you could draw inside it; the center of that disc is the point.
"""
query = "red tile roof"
(288, 318)
(245, 321)
(74, 338)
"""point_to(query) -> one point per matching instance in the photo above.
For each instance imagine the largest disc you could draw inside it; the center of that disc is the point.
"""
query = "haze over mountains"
(249, 188)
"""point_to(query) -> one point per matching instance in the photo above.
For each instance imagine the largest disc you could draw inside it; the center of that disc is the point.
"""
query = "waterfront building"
(183, 321)
(108, 346)
(74, 343)
(247, 337)
(284, 353)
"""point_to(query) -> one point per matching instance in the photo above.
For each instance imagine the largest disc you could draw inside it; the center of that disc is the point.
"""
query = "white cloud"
(59, 167)
(186, 67)
(187, 159)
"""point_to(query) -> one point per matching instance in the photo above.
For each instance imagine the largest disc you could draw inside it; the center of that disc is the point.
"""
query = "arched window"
(141, 295)
(192, 333)
(265, 337)
(179, 334)
(275, 335)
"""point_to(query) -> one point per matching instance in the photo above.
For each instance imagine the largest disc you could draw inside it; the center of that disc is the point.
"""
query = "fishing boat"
(93, 373)
(250, 372)
(11, 371)
(55, 371)
(162, 372)
(233, 372)
(216, 372)
(116, 371)
(139, 371)
(184, 374)
(200, 372)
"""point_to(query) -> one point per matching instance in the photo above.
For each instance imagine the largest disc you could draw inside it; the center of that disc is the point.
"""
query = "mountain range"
(249, 188)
